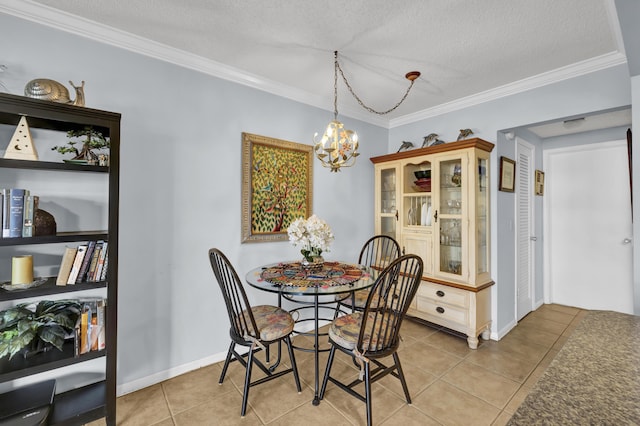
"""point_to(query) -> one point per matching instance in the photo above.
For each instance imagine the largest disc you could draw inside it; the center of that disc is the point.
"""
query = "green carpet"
(594, 379)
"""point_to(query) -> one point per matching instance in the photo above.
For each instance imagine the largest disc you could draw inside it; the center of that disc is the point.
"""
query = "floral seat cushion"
(344, 331)
(273, 323)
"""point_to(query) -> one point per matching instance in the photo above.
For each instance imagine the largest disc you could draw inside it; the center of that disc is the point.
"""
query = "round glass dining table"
(307, 285)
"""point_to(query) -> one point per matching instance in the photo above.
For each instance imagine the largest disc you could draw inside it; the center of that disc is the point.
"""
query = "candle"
(22, 269)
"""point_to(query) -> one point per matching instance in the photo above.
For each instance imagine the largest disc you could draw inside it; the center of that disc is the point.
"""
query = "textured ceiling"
(462, 47)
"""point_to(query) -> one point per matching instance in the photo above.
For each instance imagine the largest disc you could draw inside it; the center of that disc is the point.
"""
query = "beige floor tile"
(417, 379)
(452, 406)
(449, 343)
(194, 388)
(224, 410)
(502, 419)
(323, 414)
(493, 388)
(503, 363)
(430, 358)
(416, 330)
(144, 407)
(533, 334)
(562, 308)
(270, 400)
(516, 400)
(383, 403)
(409, 416)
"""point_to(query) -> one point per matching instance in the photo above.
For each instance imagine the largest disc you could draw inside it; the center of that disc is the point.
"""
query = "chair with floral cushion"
(378, 252)
(370, 335)
(254, 327)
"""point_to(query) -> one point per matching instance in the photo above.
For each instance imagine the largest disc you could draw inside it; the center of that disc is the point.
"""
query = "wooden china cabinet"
(435, 202)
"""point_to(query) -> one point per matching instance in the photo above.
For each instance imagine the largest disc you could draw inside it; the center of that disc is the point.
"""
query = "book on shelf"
(28, 212)
(85, 262)
(103, 274)
(90, 330)
(77, 264)
(101, 262)
(91, 273)
(16, 211)
(65, 266)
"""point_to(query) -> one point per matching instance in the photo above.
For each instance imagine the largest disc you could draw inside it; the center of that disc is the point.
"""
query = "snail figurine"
(51, 90)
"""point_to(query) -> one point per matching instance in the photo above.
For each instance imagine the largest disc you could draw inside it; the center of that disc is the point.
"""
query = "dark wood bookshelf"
(88, 403)
(60, 237)
(79, 406)
(20, 366)
(49, 288)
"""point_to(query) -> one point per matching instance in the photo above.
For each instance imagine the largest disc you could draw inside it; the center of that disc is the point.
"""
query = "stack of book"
(84, 263)
(17, 212)
(90, 329)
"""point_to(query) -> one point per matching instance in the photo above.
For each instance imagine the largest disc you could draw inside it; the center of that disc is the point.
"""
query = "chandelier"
(338, 147)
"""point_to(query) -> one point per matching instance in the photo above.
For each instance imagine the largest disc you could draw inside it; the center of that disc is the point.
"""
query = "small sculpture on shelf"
(51, 90)
(43, 222)
(464, 134)
(431, 139)
(406, 145)
(93, 140)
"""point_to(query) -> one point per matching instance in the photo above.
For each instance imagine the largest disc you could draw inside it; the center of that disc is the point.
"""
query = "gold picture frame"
(277, 186)
(507, 174)
(539, 183)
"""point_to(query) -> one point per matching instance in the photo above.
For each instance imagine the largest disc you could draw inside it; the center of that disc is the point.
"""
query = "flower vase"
(312, 262)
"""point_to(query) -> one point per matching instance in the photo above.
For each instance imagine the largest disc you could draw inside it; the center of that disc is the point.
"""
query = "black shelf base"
(79, 406)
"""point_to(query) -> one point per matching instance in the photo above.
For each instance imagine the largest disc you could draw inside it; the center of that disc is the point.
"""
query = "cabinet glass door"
(451, 206)
(388, 210)
(482, 217)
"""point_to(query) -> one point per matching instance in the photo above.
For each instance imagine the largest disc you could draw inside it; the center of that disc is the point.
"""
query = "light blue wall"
(601, 90)
(181, 186)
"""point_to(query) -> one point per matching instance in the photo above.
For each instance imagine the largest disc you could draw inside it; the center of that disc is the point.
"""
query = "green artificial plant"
(46, 323)
(90, 138)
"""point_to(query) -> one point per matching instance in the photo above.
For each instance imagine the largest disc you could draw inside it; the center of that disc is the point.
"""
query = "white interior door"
(525, 232)
(588, 255)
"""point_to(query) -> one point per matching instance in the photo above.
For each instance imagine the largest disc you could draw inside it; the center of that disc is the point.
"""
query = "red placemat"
(328, 275)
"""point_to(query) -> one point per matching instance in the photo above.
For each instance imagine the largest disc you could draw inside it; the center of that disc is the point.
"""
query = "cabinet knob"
(440, 293)
(440, 310)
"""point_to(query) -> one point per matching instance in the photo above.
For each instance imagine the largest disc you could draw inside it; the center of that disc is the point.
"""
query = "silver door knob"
(626, 241)
(534, 238)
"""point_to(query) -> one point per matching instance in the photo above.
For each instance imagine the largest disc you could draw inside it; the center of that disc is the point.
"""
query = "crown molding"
(564, 73)
(48, 16)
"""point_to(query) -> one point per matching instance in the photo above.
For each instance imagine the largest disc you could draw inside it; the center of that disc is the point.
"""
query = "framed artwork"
(507, 174)
(277, 186)
(539, 184)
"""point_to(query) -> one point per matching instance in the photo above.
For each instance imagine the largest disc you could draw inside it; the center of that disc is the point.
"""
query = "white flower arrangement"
(313, 234)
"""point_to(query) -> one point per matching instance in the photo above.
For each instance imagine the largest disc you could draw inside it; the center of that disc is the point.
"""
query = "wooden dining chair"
(253, 327)
(378, 252)
(373, 334)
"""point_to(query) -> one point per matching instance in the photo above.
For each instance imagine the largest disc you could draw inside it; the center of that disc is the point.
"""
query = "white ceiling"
(466, 50)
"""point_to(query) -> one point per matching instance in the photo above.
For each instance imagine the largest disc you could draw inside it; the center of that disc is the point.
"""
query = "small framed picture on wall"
(507, 174)
(539, 184)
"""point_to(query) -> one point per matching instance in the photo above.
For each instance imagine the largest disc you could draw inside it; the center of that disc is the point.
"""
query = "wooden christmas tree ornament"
(21, 145)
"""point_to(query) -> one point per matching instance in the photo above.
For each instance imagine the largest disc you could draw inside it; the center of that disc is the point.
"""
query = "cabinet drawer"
(442, 313)
(443, 294)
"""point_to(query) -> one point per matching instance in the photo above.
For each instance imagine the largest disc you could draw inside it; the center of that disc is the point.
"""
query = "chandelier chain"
(344, 78)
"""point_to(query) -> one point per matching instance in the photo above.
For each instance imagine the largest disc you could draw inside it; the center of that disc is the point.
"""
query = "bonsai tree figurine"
(25, 327)
(93, 140)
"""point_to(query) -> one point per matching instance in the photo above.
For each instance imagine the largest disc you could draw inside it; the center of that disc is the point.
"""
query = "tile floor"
(449, 383)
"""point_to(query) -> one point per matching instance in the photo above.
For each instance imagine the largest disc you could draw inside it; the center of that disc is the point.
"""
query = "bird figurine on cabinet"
(431, 139)
(464, 134)
(406, 145)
